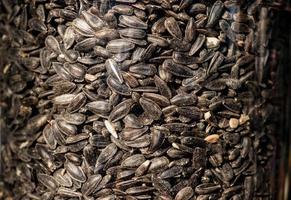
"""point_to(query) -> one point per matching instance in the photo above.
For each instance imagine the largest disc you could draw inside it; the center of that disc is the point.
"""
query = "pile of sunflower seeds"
(128, 99)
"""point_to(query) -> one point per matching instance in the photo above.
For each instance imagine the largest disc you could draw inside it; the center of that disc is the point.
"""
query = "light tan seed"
(110, 127)
(212, 42)
(243, 119)
(233, 123)
(212, 138)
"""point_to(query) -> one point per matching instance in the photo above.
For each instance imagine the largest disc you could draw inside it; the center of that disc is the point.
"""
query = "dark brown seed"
(151, 108)
(184, 99)
(49, 137)
(190, 30)
(99, 107)
(107, 34)
(249, 187)
(61, 71)
(75, 172)
(207, 188)
(74, 118)
(173, 27)
(163, 87)
(172, 172)
(184, 194)
(57, 133)
(132, 121)
(133, 161)
(133, 133)
(142, 168)
(121, 110)
(143, 69)
(66, 128)
(133, 33)
(177, 69)
(132, 22)
(184, 4)
(88, 44)
(93, 20)
(159, 26)
(107, 153)
(91, 184)
(63, 178)
(82, 27)
(68, 192)
(114, 70)
(197, 8)
(52, 43)
(47, 181)
(77, 102)
(158, 163)
(198, 158)
(239, 27)
(139, 190)
(190, 112)
(197, 44)
(119, 46)
(117, 87)
(216, 85)
(159, 99)
(141, 142)
(215, 13)
(157, 40)
(193, 141)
